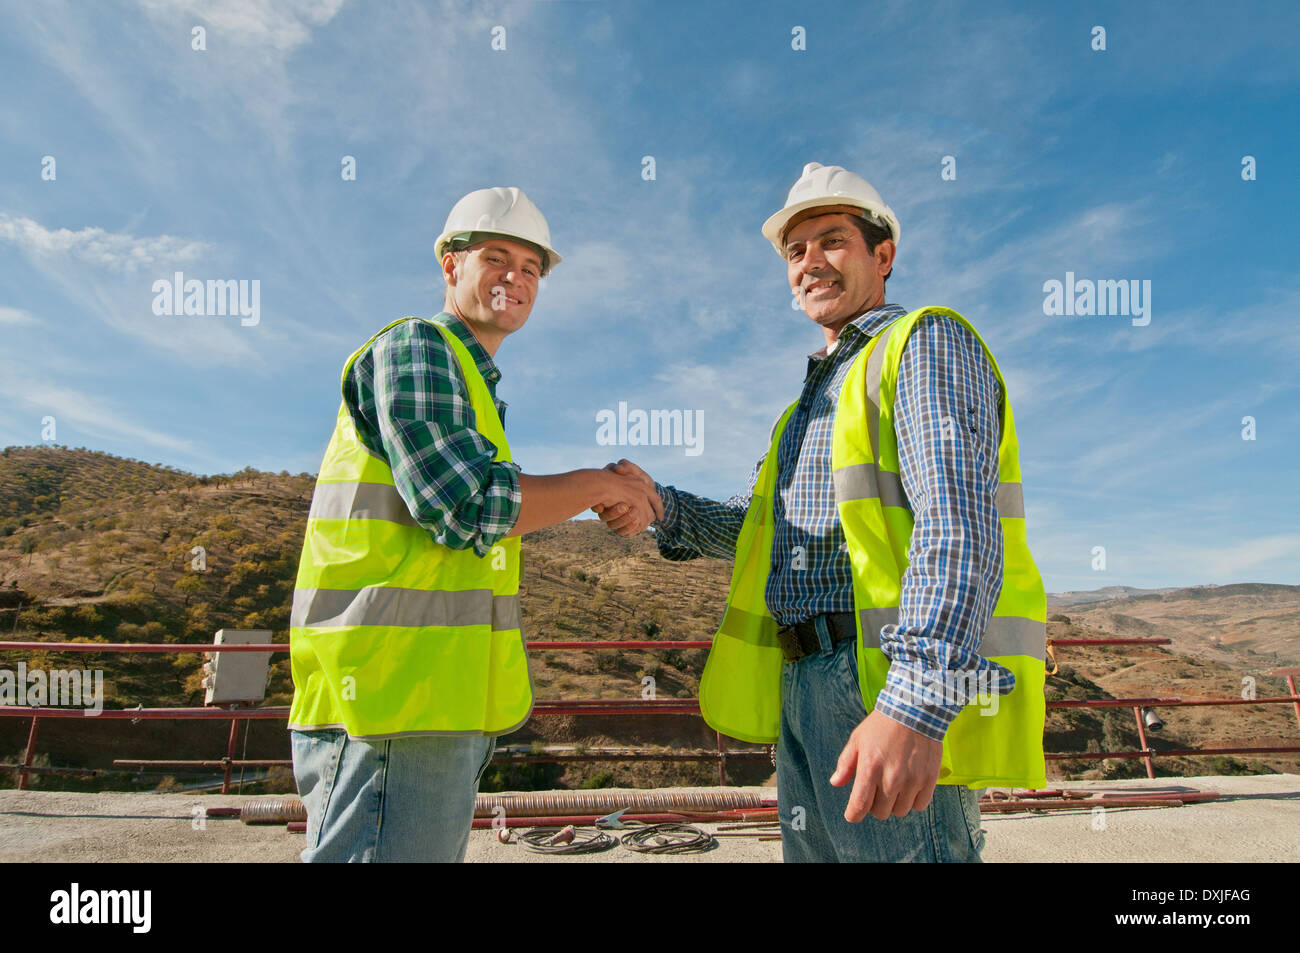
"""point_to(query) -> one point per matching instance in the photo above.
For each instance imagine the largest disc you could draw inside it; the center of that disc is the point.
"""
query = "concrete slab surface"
(1257, 819)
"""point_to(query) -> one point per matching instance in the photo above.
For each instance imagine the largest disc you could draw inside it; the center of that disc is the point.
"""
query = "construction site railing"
(586, 707)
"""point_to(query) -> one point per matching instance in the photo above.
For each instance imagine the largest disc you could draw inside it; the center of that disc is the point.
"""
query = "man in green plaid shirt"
(411, 797)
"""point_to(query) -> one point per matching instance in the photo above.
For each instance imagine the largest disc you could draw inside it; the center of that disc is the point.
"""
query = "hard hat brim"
(776, 225)
(553, 258)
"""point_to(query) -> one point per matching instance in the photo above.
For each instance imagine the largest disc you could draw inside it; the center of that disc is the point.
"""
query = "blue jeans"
(398, 800)
(820, 707)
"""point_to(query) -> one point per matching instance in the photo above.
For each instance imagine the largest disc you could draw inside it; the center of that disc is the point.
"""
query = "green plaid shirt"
(410, 403)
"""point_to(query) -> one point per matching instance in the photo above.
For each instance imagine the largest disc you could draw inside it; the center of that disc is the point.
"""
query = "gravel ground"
(1257, 820)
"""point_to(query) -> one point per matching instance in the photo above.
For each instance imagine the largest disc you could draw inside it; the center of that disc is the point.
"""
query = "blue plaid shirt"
(947, 424)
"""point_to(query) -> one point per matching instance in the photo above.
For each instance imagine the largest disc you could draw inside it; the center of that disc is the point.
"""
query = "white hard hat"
(829, 185)
(501, 211)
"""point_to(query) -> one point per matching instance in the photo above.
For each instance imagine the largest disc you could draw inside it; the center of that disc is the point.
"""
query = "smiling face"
(491, 286)
(830, 268)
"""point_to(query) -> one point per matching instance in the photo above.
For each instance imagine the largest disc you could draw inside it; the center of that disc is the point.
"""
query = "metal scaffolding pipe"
(1074, 804)
(566, 707)
(542, 645)
(534, 645)
(184, 648)
(146, 714)
(1179, 752)
(1110, 702)
(32, 769)
(218, 763)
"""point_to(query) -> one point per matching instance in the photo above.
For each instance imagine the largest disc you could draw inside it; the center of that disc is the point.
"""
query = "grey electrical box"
(237, 676)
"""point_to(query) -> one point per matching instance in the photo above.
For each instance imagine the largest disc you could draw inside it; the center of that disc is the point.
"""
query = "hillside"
(1255, 623)
(120, 565)
(40, 480)
(1125, 671)
(94, 547)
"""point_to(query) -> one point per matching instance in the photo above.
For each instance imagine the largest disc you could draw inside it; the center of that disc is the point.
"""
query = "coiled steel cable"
(668, 839)
(538, 840)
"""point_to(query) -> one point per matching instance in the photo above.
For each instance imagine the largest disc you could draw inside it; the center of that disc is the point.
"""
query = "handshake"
(631, 502)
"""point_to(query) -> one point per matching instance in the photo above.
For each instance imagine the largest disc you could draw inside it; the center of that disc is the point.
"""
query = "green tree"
(191, 584)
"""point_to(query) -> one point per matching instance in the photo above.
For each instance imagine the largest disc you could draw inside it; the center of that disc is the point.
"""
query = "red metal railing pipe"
(148, 648)
(1180, 752)
(201, 647)
(1142, 739)
(1130, 641)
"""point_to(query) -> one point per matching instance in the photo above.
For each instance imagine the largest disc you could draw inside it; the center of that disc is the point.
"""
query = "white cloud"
(282, 25)
(16, 316)
(95, 246)
(109, 275)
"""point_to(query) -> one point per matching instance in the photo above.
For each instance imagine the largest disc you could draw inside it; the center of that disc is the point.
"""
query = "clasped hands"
(631, 503)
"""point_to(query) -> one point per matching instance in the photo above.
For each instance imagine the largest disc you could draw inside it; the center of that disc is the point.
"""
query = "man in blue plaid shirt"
(839, 242)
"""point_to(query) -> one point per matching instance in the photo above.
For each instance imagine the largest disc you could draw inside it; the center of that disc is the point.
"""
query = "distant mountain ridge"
(1056, 600)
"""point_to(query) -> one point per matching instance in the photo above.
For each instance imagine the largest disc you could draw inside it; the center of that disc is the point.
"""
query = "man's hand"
(633, 503)
(894, 769)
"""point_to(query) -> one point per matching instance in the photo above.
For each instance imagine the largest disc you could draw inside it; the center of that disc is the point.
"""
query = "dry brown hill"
(1254, 623)
(97, 548)
(38, 480)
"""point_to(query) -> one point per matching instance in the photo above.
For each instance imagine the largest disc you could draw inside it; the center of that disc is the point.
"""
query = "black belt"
(801, 638)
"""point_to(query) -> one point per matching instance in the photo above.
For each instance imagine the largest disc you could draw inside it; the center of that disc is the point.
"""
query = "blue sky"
(225, 163)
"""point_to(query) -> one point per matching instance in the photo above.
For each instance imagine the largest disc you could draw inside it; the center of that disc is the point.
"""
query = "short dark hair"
(873, 235)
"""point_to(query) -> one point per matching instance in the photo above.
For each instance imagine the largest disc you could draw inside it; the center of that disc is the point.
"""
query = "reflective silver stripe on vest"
(749, 627)
(863, 481)
(873, 620)
(1011, 501)
(388, 606)
(1006, 635)
(359, 501)
(1010, 498)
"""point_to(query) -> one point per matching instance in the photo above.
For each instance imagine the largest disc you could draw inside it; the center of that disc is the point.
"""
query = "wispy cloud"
(282, 25)
(108, 278)
(90, 414)
(95, 246)
(16, 316)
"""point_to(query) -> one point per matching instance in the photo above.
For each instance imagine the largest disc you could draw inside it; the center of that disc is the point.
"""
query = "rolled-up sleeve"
(947, 421)
(442, 467)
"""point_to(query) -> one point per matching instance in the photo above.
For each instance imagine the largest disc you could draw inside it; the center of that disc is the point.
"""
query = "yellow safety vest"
(740, 691)
(391, 633)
